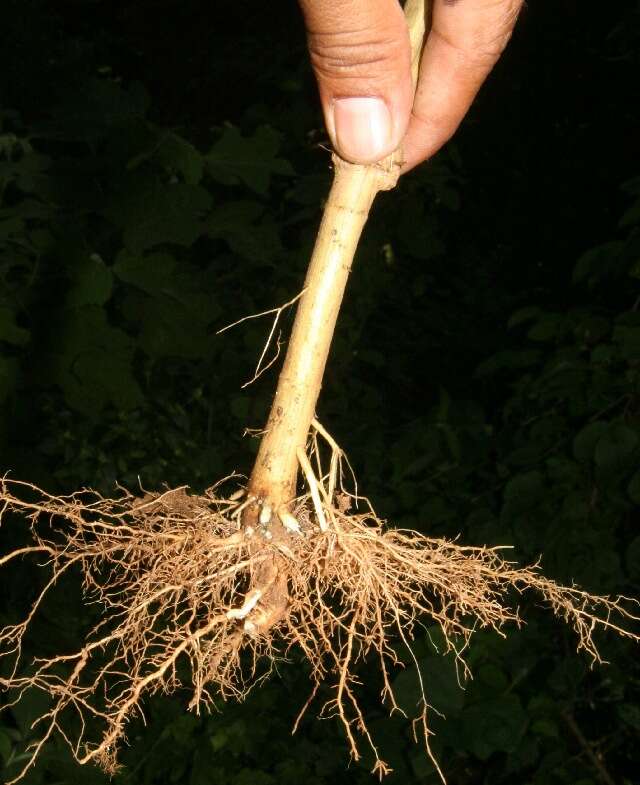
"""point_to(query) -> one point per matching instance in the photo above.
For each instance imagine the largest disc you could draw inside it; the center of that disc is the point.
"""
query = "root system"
(193, 596)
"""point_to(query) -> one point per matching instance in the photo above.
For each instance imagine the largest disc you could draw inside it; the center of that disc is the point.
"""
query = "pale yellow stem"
(273, 480)
(293, 409)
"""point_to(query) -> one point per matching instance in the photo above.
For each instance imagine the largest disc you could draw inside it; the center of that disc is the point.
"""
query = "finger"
(361, 57)
(466, 39)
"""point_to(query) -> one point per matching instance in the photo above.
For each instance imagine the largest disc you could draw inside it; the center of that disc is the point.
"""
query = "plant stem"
(353, 191)
(273, 480)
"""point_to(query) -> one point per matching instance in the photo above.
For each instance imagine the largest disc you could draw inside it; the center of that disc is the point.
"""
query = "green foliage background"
(162, 175)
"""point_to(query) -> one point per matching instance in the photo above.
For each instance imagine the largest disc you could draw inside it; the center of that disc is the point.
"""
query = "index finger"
(466, 39)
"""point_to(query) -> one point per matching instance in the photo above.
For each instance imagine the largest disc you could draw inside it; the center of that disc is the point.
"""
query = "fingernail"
(362, 128)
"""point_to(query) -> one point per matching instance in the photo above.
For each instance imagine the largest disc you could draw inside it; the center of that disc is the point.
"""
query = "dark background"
(162, 172)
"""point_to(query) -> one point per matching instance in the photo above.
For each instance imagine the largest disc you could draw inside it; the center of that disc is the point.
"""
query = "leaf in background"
(524, 315)
(250, 160)
(260, 244)
(593, 329)
(28, 172)
(523, 490)
(233, 217)
(493, 726)
(628, 340)
(631, 216)
(92, 362)
(633, 488)
(92, 284)
(310, 189)
(6, 745)
(8, 376)
(508, 360)
(238, 224)
(491, 679)
(169, 328)
(151, 273)
(615, 446)
(630, 714)
(172, 307)
(585, 442)
(546, 328)
(10, 226)
(151, 213)
(32, 705)
(181, 156)
(253, 777)
(10, 332)
(598, 263)
(441, 685)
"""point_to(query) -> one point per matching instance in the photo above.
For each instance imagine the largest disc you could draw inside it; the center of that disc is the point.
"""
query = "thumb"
(361, 56)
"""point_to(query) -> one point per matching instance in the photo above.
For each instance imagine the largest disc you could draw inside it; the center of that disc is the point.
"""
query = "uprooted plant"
(206, 591)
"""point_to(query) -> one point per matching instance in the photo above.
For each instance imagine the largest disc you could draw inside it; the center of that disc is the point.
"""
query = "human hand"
(361, 57)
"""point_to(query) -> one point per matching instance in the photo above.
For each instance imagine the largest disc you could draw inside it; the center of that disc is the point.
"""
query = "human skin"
(360, 54)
